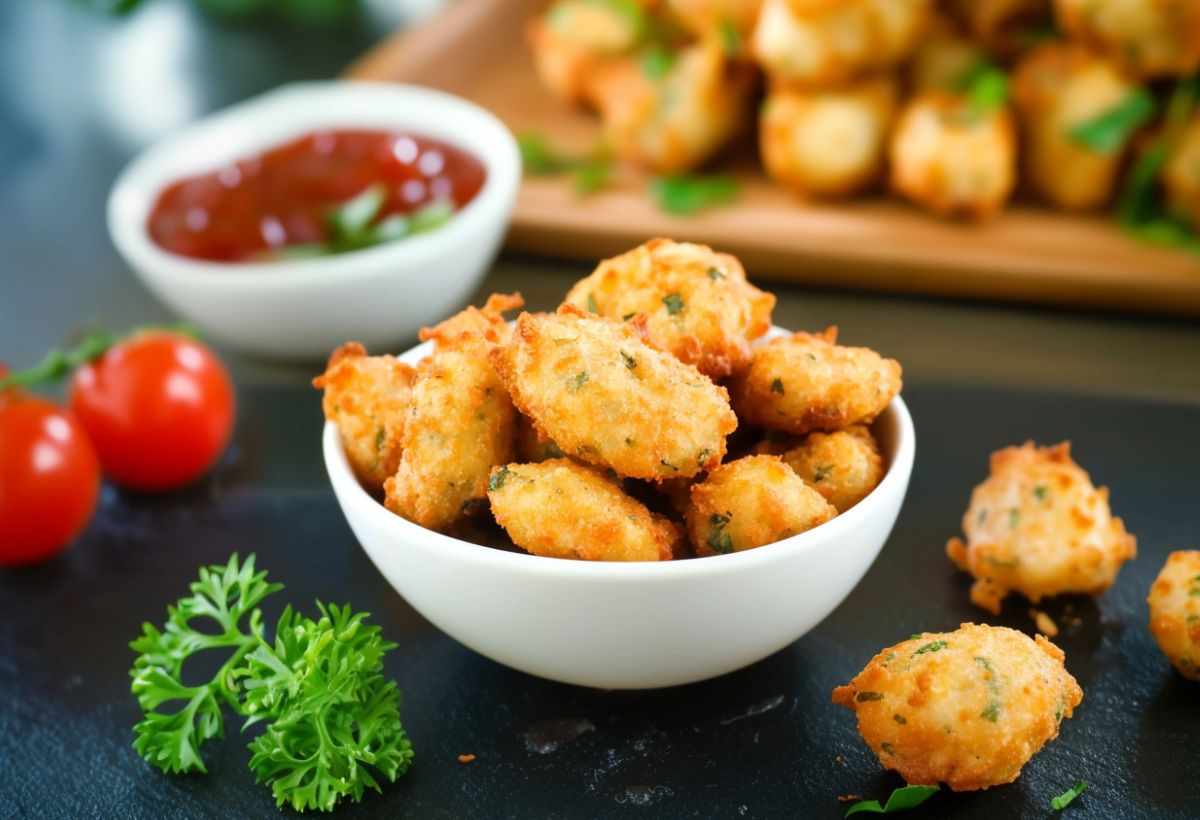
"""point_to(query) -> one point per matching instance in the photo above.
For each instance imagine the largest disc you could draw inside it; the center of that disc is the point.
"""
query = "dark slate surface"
(762, 742)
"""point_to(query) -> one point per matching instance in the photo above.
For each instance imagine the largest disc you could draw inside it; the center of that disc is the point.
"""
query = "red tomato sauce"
(285, 195)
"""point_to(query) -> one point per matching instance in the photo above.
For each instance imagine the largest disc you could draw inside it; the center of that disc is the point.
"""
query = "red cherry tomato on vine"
(158, 406)
(49, 479)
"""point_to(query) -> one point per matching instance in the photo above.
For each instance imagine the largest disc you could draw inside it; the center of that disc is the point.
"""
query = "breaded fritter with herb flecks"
(487, 322)
(574, 37)
(460, 425)
(1160, 38)
(824, 42)
(1057, 88)
(750, 502)
(697, 302)
(670, 111)
(367, 397)
(843, 467)
(1175, 611)
(562, 509)
(1039, 527)
(967, 708)
(827, 142)
(953, 156)
(807, 382)
(605, 396)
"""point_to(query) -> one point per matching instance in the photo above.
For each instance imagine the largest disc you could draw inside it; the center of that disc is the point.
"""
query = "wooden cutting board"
(476, 49)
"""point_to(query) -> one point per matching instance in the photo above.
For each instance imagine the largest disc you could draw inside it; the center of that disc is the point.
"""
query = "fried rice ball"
(828, 142)
(574, 37)
(1056, 88)
(671, 111)
(487, 322)
(1181, 174)
(562, 509)
(1004, 26)
(967, 708)
(844, 467)
(750, 502)
(696, 302)
(1175, 611)
(1150, 38)
(460, 424)
(594, 387)
(818, 43)
(367, 397)
(807, 382)
(729, 22)
(1039, 527)
(953, 160)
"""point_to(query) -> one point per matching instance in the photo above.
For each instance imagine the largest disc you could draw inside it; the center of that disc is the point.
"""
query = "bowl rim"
(139, 183)
(351, 493)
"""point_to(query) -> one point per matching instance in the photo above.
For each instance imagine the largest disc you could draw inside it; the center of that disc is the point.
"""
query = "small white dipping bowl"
(302, 309)
(620, 625)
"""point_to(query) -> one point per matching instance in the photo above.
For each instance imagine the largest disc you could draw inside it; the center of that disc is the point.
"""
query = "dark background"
(81, 93)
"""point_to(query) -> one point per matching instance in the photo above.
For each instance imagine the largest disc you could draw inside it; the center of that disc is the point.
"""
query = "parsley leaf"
(902, 799)
(1063, 800)
(935, 646)
(225, 598)
(333, 721)
(1109, 132)
(673, 302)
(731, 40)
(777, 386)
(685, 195)
(985, 86)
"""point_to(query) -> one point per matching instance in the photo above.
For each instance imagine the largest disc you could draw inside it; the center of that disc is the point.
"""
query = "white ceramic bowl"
(304, 308)
(629, 625)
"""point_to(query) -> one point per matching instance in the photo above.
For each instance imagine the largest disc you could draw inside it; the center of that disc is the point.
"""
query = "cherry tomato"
(49, 479)
(158, 407)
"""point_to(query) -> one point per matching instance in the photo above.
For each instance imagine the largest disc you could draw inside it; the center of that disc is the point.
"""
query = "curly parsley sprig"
(333, 720)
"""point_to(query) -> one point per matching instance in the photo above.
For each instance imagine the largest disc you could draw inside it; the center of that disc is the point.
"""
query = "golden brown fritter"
(750, 502)
(460, 425)
(824, 42)
(574, 37)
(807, 382)
(530, 446)
(1037, 526)
(562, 509)
(595, 388)
(1057, 88)
(487, 322)
(671, 114)
(951, 159)
(828, 142)
(967, 708)
(367, 398)
(696, 302)
(1175, 611)
(843, 467)
(1181, 175)
(1150, 38)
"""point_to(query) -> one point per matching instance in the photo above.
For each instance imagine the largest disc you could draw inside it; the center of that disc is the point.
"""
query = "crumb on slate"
(465, 758)
(1045, 624)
